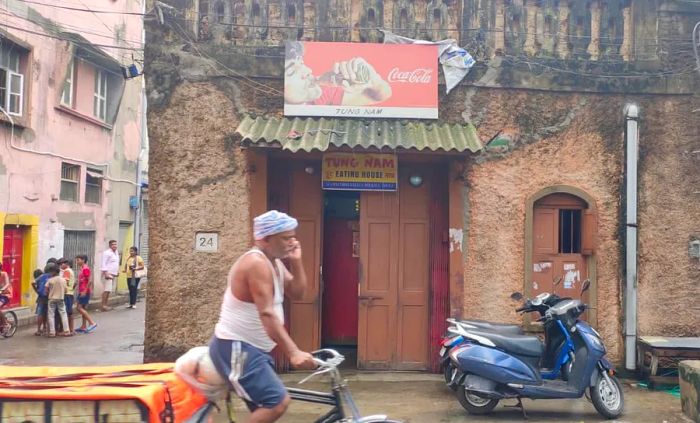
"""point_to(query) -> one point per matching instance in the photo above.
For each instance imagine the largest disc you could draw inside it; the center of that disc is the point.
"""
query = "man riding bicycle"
(251, 322)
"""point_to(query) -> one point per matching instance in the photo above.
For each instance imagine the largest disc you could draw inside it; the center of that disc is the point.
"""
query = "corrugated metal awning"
(308, 134)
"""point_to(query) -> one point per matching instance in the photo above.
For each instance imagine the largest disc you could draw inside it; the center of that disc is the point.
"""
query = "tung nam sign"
(361, 80)
(359, 172)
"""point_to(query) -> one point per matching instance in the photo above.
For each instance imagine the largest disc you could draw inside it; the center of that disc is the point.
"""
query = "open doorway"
(341, 255)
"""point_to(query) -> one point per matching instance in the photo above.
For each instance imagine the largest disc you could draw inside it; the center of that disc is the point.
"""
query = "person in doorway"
(5, 293)
(133, 264)
(251, 321)
(69, 276)
(110, 272)
(56, 292)
(84, 292)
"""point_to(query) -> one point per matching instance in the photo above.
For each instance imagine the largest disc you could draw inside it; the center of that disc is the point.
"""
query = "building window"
(569, 231)
(93, 186)
(100, 99)
(11, 80)
(70, 175)
(79, 242)
(67, 96)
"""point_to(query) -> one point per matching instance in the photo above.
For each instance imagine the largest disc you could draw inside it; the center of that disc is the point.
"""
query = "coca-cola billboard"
(361, 80)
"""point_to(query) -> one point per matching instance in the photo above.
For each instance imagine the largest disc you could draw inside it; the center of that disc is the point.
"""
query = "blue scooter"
(555, 362)
(495, 366)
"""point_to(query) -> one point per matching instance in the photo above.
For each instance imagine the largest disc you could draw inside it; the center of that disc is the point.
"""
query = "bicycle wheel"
(11, 318)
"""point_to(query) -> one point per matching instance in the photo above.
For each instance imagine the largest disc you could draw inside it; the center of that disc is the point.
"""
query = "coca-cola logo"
(416, 76)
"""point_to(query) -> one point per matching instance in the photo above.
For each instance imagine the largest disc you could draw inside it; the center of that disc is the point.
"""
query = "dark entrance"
(341, 252)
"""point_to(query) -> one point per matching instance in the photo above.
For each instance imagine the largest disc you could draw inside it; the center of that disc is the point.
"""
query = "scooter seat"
(504, 328)
(524, 345)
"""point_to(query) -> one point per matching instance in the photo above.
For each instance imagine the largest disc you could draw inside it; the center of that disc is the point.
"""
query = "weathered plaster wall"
(669, 218)
(198, 182)
(583, 151)
(581, 144)
(556, 138)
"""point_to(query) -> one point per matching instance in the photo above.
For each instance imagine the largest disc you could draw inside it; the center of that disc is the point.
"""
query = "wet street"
(118, 339)
(410, 397)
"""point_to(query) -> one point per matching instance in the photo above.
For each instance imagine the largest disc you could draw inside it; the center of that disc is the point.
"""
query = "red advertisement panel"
(361, 80)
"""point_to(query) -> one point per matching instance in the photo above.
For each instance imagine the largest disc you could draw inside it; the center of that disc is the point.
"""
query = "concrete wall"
(199, 184)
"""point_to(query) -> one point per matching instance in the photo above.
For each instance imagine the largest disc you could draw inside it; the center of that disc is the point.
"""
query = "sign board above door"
(359, 172)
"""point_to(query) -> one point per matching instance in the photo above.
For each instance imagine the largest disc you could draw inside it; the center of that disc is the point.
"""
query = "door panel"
(340, 279)
(545, 231)
(379, 233)
(548, 263)
(414, 276)
(12, 261)
(305, 204)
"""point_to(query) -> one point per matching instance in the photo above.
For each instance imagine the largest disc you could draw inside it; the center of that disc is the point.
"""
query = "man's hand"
(361, 83)
(295, 254)
(302, 360)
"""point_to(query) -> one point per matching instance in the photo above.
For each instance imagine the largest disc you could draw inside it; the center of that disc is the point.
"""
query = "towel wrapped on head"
(272, 223)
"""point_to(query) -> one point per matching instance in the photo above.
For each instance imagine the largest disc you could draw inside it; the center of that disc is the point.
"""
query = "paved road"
(118, 339)
(411, 397)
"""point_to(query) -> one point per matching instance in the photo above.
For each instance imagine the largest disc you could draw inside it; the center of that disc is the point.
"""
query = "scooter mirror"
(586, 285)
(558, 281)
(517, 296)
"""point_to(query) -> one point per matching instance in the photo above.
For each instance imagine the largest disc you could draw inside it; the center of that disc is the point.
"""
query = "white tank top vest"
(240, 320)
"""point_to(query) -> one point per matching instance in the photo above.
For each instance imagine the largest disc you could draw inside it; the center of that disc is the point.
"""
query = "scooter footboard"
(495, 365)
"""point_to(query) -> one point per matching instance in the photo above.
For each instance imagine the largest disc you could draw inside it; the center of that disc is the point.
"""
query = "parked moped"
(494, 366)
(557, 352)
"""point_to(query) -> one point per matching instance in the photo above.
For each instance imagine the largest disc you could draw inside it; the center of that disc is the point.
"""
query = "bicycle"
(328, 361)
(10, 327)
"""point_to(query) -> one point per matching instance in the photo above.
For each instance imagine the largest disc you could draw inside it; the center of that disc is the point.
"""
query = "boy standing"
(84, 292)
(42, 301)
(69, 276)
(56, 293)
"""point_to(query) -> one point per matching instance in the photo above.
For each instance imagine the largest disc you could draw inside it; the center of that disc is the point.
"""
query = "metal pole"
(632, 153)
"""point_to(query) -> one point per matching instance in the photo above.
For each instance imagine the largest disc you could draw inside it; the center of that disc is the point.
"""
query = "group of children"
(58, 292)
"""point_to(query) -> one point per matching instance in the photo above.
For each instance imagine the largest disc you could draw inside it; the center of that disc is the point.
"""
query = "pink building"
(71, 129)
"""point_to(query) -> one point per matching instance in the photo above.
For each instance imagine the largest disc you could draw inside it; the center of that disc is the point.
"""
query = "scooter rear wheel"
(473, 403)
(608, 400)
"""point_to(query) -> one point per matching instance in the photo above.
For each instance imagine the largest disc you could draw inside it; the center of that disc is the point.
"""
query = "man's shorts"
(84, 300)
(250, 372)
(69, 300)
(4, 300)
(42, 306)
(108, 284)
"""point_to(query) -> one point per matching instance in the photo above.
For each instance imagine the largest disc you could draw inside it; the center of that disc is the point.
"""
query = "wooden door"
(558, 246)
(413, 277)
(340, 279)
(379, 235)
(306, 205)
(12, 261)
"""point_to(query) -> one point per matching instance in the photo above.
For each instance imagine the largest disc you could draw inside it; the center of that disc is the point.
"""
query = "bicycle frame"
(339, 393)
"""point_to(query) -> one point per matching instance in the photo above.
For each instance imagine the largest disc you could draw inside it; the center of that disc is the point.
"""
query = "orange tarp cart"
(148, 393)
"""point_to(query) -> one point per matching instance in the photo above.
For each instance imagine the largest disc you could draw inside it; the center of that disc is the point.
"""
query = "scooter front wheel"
(473, 403)
(608, 400)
